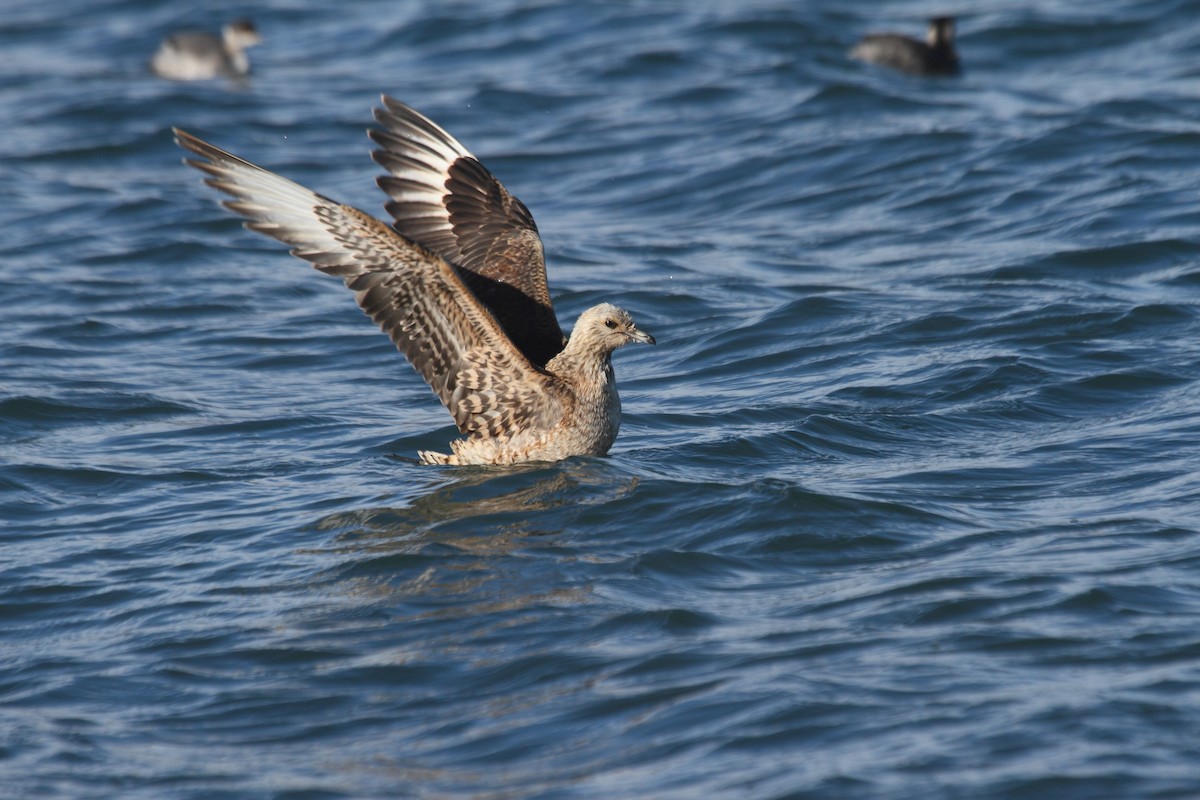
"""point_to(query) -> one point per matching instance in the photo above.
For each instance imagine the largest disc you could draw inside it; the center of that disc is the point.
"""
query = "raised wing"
(445, 200)
(414, 295)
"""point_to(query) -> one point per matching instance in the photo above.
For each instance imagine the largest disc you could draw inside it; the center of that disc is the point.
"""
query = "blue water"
(906, 502)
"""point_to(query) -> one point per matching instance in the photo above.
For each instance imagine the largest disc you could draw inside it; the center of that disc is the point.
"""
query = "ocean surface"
(906, 502)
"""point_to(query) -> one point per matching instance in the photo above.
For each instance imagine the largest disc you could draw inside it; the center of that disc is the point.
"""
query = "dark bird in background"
(934, 56)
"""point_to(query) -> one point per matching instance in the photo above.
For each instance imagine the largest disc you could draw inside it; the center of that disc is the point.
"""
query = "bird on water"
(458, 281)
(196, 56)
(934, 56)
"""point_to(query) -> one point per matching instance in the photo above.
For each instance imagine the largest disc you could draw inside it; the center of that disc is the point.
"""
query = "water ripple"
(904, 503)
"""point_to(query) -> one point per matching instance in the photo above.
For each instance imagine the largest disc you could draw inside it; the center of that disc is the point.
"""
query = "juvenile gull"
(195, 56)
(459, 285)
(934, 56)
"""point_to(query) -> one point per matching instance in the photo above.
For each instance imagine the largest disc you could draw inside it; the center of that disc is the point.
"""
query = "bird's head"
(606, 327)
(240, 34)
(940, 32)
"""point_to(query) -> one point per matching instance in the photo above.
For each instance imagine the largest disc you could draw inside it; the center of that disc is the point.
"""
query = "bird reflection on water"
(455, 541)
(484, 511)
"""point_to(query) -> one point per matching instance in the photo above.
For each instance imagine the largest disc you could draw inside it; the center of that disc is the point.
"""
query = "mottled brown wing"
(417, 298)
(445, 200)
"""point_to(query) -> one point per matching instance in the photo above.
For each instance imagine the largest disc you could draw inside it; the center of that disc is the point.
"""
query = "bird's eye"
(609, 323)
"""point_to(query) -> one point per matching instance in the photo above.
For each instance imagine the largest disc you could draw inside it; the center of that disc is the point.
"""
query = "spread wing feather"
(414, 295)
(443, 198)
